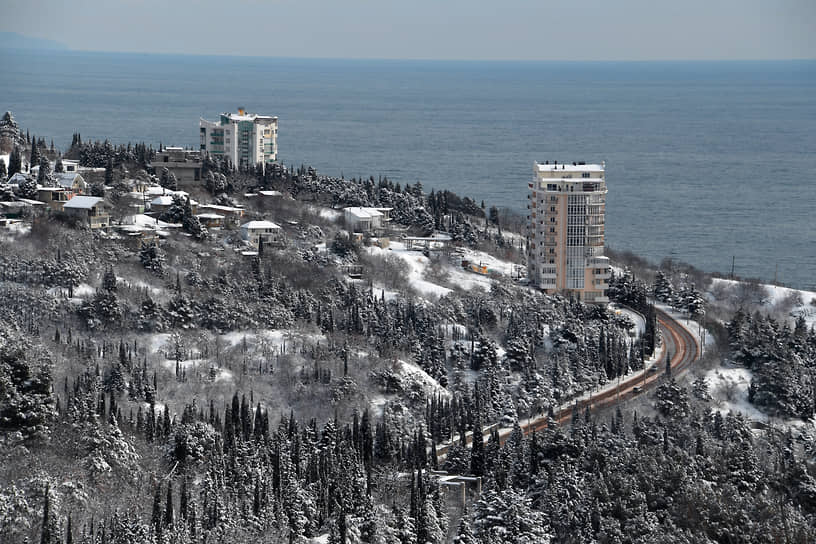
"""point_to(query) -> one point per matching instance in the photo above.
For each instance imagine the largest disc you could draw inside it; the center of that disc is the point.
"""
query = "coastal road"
(679, 344)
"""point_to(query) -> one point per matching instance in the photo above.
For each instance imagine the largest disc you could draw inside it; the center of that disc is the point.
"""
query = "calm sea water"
(705, 161)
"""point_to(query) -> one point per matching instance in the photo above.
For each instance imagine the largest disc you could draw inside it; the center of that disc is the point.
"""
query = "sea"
(711, 163)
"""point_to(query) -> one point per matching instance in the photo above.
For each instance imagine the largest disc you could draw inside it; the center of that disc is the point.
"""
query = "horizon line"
(411, 59)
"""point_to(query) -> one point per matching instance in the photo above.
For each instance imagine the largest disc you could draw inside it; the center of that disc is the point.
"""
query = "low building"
(269, 232)
(72, 182)
(54, 197)
(70, 166)
(182, 163)
(232, 215)
(210, 220)
(92, 210)
(366, 219)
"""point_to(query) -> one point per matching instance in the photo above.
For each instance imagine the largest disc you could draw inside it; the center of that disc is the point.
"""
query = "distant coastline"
(16, 41)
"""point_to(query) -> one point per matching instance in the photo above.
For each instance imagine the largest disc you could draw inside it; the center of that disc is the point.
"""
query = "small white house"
(254, 231)
(366, 219)
(91, 209)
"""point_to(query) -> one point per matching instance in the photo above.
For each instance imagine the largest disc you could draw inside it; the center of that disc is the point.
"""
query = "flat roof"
(260, 225)
(569, 167)
(219, 207)
(363, 213)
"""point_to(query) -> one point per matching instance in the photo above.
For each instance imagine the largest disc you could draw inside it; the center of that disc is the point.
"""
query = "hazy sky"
(429, 29)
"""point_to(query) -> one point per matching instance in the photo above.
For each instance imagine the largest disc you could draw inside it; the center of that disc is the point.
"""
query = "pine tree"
(3, 171)
(34, 158)
(109, 172)
(59, 168)
(44, 175)
(464, 534)
(168, 511)
(663, 290)
(28, 188)
(15, 162)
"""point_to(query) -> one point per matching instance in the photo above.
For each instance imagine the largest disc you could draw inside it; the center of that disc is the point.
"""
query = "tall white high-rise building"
(566, 230)
(246, 138)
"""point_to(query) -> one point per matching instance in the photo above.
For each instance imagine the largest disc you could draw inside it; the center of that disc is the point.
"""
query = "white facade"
(366, 219)
(566, 230)
(254, 231)
(246, 138)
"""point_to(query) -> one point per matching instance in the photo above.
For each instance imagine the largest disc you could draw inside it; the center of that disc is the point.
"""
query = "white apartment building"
(565, 238)
(246, 138)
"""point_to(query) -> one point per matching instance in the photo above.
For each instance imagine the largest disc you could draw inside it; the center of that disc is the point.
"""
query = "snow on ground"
(139, 284)
(449, 329)
(637, 319)
(157, 341)
(274, 338)
(381, 291)
(170, 364)
(17, 229)
(225, 375)
(430, 385)
(326, 213)
(377, 403)
(417, 264)
(492, 263)
(729, 388)
(82, 291)
(778, 296)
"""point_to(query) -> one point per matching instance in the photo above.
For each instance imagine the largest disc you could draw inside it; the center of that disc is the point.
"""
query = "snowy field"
(417, 265)
(729, 388)
(274, 341)
(779, 297)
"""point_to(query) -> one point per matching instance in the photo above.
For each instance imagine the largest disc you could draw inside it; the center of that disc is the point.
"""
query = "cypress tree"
(168, 512)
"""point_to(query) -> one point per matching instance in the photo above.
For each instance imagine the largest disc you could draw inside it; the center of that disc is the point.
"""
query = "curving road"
(678, 343)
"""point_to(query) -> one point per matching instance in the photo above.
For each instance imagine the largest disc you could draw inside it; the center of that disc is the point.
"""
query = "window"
(585, 174)
(552, 187)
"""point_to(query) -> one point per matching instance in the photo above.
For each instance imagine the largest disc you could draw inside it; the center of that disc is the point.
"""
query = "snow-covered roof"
(31, 202)
(17, 178)
(230, 209)
(209, 216)
(143, 220)
(270, 193)
(363, 213)
(155, 190)
(83, 202)
(67, 179)
(165, 200)
(251, 225)
(569, 167)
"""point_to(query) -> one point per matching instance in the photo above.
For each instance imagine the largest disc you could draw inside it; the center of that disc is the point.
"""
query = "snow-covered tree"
(152, 257)
(26, 401)
(663, 289)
